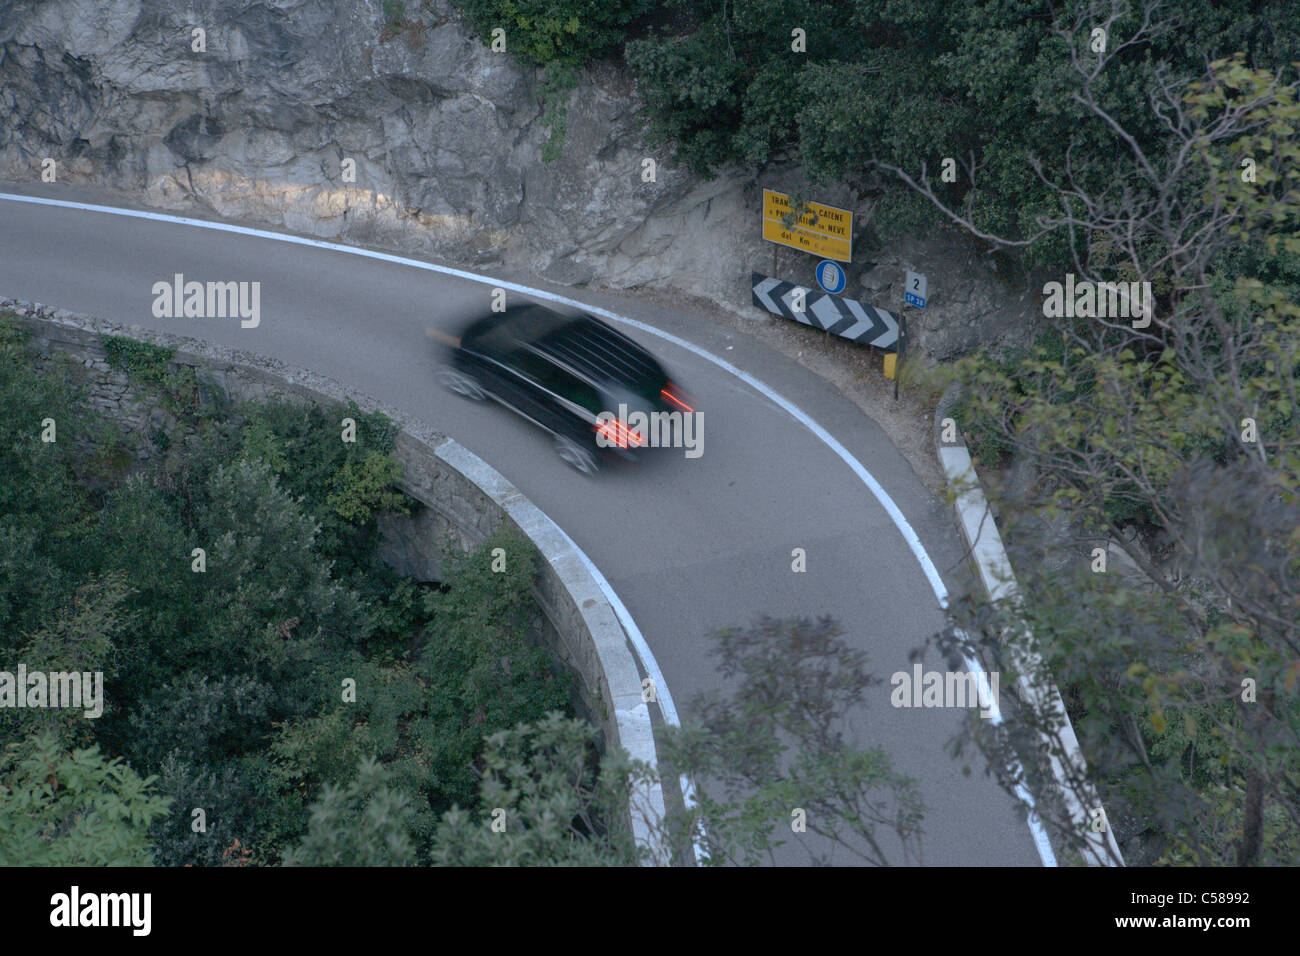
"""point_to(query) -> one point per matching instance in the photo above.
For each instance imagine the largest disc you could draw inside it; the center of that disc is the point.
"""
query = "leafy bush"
(226, 682)
(393, 12)
(85, 636)
(365, 823)
(43, 507)
(240, 805)
(344, 485)
(482, 673)
(142, 361)
(547, 31)
(906, 83)
(558, 81)
(554, 800)
(73, 809)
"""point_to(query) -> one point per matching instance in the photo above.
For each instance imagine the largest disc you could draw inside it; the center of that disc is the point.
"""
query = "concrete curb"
(473, 498)
(980, 532)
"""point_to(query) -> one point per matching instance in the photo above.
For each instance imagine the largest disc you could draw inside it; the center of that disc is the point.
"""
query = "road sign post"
(915, 293)
(902, 345)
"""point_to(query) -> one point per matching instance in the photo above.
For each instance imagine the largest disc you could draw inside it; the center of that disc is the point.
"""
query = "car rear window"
(516, 325)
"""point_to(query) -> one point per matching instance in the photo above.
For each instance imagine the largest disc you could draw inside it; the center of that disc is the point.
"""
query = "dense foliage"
(543, 32)
(1123, 162)
(1179, 444)
(73, 808)
(843, 86)
(547, 798)
(906, 83)
(227, 685)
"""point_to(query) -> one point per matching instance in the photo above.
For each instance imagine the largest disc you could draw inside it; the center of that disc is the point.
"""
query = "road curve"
(690, 545)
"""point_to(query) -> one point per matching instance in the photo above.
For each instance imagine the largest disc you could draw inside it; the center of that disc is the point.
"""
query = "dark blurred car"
(571, 374)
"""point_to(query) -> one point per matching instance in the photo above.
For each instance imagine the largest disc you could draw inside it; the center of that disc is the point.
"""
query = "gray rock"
(877, 281)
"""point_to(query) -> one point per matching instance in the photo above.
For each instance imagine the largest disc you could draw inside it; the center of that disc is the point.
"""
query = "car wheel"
(461, 384)
(579, 456)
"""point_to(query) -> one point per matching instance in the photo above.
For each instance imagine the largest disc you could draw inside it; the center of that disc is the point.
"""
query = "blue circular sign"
(830, 276)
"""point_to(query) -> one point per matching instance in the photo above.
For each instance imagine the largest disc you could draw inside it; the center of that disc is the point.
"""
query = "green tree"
(479, 671)
(548, 799)
(226, 682)
(60, 808)
(893, 85)
(572, 32)
(84, 638)
(1181, 680)
(365, 823)
(781, 740)
(482, 669)
(43, 512)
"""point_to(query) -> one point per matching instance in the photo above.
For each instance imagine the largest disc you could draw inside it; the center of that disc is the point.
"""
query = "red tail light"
(619, 435)
(677, 397)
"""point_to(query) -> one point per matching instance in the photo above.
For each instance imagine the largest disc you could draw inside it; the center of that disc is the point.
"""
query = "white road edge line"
(665, 699)
(651, 665)
(1041, 841)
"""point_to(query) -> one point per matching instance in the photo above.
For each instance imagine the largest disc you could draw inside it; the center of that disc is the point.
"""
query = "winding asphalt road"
(690, 545)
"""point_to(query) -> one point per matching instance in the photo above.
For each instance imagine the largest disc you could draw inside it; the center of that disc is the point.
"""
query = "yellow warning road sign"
(824, 231)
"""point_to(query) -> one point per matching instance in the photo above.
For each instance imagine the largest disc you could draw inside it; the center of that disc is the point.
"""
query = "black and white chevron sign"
(846, 318)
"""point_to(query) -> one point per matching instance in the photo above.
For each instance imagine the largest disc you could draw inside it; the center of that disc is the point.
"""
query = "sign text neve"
(823, 230)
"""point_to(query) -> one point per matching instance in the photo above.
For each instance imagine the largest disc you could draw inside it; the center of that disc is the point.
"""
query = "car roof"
(581, 343)
(597, 352)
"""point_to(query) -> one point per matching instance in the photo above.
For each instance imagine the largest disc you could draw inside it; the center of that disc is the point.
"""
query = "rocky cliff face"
(446, 137)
